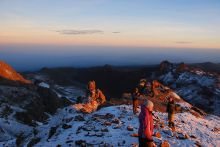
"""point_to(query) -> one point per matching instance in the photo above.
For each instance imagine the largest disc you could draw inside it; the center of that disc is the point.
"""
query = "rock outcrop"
(7, 72)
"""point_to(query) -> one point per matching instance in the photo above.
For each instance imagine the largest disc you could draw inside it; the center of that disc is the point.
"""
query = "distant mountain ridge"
(197, 86)
(208, 66)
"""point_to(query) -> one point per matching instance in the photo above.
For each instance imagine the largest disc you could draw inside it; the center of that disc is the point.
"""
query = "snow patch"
(44, 85)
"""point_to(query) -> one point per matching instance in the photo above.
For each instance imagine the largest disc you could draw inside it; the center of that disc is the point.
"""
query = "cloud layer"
(116, 32)
(183, 42)
(79, 32)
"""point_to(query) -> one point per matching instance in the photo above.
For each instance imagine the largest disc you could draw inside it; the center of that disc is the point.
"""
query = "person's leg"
(169, 124)
(169, 120)
(134, 106)
(140, 142)
(172, 120)
(149, 144)
(173, 124)
(143, 142)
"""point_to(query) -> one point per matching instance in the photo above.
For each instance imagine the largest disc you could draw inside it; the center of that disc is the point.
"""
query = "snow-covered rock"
(44, 85)
(94, 133)
(196, 86)
(91, 130)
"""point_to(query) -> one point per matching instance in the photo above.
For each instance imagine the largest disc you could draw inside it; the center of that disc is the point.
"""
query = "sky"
(79, 27)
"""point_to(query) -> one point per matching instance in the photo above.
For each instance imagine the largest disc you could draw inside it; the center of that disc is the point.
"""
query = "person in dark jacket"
(135, 96)
(149, 91)
(171, 109)
(145, 131)
(142, 86)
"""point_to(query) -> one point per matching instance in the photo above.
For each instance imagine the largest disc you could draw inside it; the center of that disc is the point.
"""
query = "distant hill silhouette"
(208, 66)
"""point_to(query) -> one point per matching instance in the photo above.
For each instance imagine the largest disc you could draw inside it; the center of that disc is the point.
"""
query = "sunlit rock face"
(7, 72)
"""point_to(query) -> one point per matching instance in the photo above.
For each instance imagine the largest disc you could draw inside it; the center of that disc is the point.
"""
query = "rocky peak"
(182, 67)
(7, 72)
(165, 66)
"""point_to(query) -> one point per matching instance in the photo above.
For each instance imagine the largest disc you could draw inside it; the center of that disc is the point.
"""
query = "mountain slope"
(109, 126)
(194, 85)
(34, 115)
(115, 125)
(7, 72)
(23, 106)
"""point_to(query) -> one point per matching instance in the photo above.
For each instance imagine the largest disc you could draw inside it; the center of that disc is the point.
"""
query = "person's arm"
(101, 96)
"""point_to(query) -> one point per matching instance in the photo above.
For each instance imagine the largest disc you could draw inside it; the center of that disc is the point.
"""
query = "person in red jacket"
(145, 131)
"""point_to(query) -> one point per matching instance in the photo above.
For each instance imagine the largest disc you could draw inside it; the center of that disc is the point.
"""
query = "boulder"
(157, 134)
(165, 143)
(117, 126)
(99, 134)
(79, 118)
(187, 136)
(198, 144)
(66, 126)
(88, 127)
(134, 135)
(162, 125)
(168, 132)
(107, 116)
(52, 131)
(81, 143)
(90, 134)
(104, 130)
(67, 120)
(33, 142)
(193, 136)
(20, 139)
(116, 121)
(180, 135)
(216, 129)
(121, 143)
(107, 123)
(130, 128)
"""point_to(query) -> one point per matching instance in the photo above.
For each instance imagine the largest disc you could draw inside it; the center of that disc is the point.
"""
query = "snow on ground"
(198, 129)
(94, 129)
(108, 126)
(10, 128)
(189, 78)
(197, 87)
(70, 92)
(44, 85)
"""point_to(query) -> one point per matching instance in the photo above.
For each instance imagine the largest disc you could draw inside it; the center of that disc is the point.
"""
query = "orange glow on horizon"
(133, 39)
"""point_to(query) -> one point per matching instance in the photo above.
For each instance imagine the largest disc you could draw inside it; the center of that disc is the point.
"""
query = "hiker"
(142, 86)
(155, 86)
(94, 98)
(145, 131)
(149, 91)
(95, 94)
(171, 108)
(135, 96)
